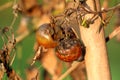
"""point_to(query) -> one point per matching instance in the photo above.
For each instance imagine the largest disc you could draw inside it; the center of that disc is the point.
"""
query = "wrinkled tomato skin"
(70, 54)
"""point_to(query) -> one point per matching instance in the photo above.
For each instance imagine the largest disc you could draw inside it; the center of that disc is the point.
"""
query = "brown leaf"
(49, 61)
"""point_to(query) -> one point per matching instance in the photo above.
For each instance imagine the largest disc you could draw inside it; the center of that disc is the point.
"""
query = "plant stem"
(96, 58)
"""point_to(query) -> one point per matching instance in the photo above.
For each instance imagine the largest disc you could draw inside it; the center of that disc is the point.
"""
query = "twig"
(102, 11)
(110, 9)
(2, 70)
(14, 19)
(7, 5)
(15, 14)
(98, 5)
(113, 34)
(13, 58)
(94, 4)
(104, 6)
(5, 58)
(73, 67)
(22, 36)
(37, 55)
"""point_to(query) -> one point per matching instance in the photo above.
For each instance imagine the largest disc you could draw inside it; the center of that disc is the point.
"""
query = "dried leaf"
(49, 61)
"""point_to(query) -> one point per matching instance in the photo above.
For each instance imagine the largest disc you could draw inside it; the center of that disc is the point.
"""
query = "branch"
(103, 10)
(73, 67)
(104, 6)
(2, 70)
(113, 8)
(22, 36)
(113, 34)
(9, 4)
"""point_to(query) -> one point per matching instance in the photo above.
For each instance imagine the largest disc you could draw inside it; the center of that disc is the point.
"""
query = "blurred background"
(25, 48)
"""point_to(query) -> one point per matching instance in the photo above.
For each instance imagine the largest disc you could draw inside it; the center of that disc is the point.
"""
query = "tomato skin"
(68, 47)
(69, 50)
(44, 36)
